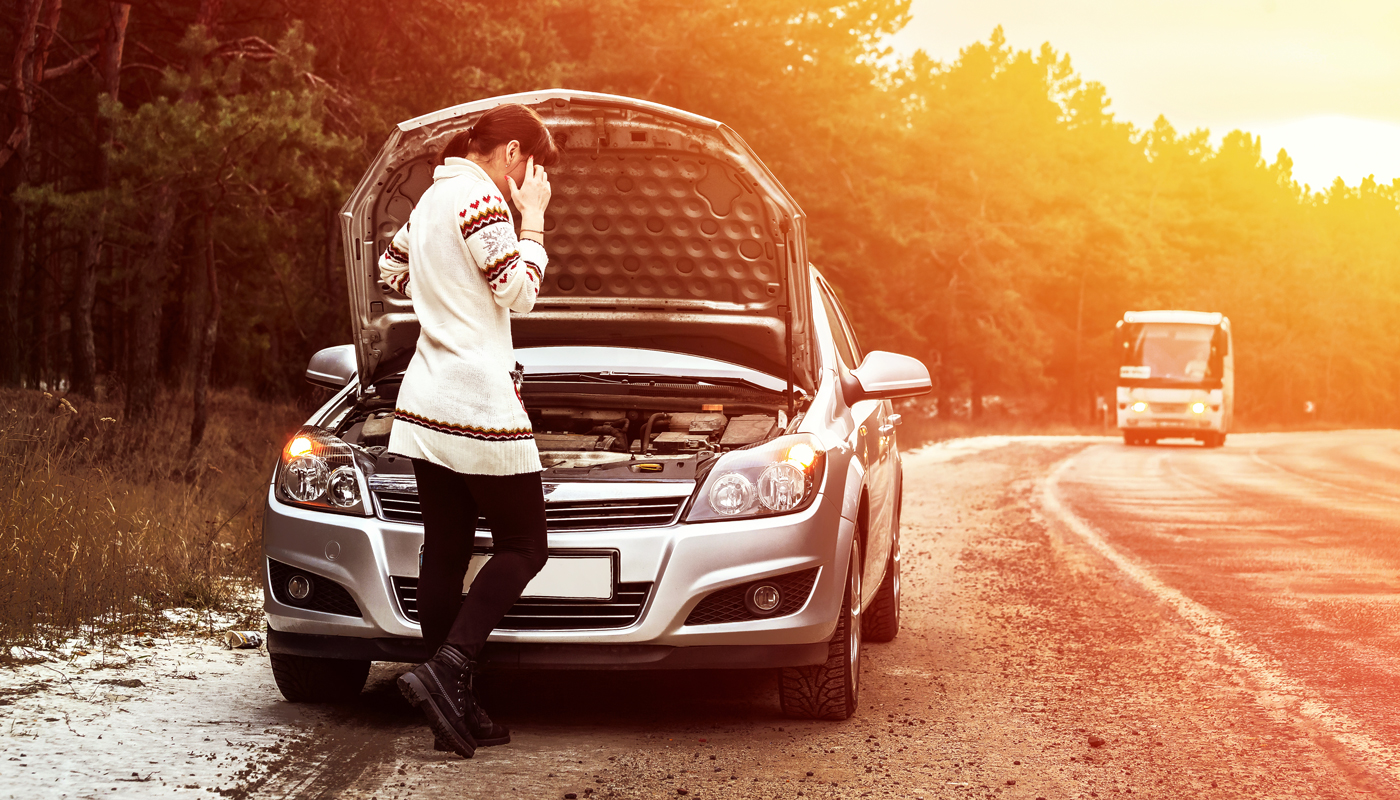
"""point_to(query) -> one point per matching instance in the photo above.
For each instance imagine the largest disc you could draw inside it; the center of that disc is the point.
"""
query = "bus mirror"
(1220, 343)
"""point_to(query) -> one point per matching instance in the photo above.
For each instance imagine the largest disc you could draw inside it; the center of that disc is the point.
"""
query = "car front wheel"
(304, 679)
(831, 690)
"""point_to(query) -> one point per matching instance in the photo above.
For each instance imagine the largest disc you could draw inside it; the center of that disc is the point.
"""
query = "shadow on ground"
(584, 698)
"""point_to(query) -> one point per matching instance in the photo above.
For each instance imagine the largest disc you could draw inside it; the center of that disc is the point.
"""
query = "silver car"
(721, 475)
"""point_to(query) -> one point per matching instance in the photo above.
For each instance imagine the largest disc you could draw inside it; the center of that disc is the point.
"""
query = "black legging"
(513, 506)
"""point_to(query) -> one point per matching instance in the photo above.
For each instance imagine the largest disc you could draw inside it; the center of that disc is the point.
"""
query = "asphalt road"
(1081, 619)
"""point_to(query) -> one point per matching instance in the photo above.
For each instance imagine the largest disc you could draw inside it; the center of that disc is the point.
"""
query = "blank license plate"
(564, 577)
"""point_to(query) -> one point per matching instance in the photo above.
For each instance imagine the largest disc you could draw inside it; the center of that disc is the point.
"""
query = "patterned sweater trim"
(469, 431)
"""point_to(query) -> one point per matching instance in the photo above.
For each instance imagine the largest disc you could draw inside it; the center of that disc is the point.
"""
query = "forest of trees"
(171, 173)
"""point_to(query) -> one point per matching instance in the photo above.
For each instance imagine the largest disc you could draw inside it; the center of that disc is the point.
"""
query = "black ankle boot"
(486, 732)
(441, 689)
(483, 730)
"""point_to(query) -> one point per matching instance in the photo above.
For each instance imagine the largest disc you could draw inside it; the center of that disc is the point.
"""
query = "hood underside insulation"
(663, 229)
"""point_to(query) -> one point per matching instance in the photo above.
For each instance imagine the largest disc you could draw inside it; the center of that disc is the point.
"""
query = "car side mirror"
(885, 376)
(332, 367)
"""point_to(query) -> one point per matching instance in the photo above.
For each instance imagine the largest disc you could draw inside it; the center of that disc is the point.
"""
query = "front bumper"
(684, 563)
(1170, 425)
(543, 655)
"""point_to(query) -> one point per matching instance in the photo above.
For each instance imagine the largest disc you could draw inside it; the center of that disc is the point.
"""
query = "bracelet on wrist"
(527, 230)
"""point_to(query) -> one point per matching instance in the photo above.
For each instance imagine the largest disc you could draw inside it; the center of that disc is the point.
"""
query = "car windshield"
(1171, 351)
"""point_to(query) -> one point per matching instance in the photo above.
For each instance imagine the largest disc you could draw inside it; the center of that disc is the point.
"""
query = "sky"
(1320, 78)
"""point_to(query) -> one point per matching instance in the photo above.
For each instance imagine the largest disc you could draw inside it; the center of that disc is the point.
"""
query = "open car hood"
(664, 231)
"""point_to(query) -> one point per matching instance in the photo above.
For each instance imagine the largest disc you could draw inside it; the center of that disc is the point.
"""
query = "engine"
(569, 437)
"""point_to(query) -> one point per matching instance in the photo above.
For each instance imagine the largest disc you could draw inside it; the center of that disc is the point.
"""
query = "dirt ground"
(1035, 661)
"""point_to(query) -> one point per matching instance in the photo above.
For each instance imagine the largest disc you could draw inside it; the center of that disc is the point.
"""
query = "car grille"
(727, 605)
(326, 595)
(582, 515)
(1168, 408)
(544, 614)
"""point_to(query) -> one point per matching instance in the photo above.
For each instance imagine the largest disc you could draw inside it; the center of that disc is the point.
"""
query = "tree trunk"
(976, 388)
(146, 311)
(113, 38)
(123, 320)
(209, 13)
(188, 330)
(44, 37)
(151, 279)
(945, 359)
(1075, 390)
(45, 302)
(210, 335)
(334, 252)
(13, 225)
(22, 81)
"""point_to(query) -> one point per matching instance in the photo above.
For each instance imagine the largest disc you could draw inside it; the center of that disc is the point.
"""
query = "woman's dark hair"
(500, 125)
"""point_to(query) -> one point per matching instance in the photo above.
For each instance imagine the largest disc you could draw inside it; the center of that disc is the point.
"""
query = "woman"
(459, 416)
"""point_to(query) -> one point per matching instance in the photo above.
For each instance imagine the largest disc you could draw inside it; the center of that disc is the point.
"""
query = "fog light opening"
(299, 587)
(763, 599)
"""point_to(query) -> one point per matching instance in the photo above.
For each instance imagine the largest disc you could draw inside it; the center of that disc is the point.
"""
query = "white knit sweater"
(459, 260)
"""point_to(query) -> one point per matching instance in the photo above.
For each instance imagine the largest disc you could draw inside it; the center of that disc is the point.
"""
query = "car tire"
(1131, 439)
(1214, 440)
(830, 690)
(304, 679)
(880, 619)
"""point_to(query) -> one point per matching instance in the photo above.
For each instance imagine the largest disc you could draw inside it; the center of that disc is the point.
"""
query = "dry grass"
(105, 522)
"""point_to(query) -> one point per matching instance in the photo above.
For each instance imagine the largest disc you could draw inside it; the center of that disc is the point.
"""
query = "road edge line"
(1283, 692)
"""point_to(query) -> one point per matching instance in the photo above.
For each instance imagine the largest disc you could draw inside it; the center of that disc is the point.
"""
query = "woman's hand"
(532, 195)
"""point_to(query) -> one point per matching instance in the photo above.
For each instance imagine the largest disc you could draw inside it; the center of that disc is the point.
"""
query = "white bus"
(1176, 377)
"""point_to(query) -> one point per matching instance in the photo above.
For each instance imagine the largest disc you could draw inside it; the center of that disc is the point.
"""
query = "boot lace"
(464, 683)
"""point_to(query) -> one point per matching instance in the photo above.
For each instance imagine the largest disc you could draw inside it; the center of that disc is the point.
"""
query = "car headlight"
(1199, 408)
(1139, 406)
(319, 470)
(777, 477)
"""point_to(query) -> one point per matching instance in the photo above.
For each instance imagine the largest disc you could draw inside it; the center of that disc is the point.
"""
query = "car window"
(845, 338)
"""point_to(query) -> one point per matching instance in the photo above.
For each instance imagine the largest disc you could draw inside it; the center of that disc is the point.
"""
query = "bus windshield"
(1171, 351)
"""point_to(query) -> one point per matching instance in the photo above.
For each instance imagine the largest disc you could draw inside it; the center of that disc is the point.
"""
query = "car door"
(874, 446)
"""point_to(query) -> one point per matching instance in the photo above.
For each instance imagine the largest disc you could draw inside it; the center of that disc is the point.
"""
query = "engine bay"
(605, 428)
(571, 437)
